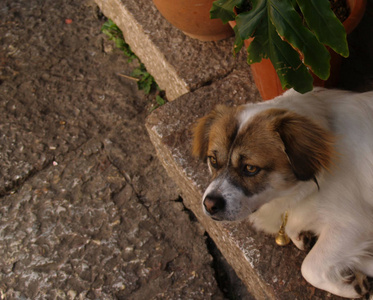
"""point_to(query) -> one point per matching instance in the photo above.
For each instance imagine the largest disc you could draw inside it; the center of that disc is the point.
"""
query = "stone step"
(269, 271)
(178, 63)
(200, 75)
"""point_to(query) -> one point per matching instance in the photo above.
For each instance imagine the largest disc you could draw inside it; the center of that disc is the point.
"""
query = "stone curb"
(178, 63)
(200, 75)
(268, 271)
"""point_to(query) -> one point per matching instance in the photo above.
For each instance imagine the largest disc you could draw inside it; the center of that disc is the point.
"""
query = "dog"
(309, 157)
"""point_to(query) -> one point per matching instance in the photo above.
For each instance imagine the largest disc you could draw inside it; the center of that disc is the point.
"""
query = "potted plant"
(291, 37)
(193, 18)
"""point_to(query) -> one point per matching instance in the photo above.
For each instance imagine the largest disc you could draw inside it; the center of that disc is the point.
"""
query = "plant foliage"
(115, 34)
(145, 81)
(293, 34)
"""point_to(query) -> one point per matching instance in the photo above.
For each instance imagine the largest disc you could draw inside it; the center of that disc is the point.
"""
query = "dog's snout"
(214, 203)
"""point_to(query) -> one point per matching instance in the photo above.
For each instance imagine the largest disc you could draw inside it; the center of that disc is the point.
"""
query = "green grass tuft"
(145, 81)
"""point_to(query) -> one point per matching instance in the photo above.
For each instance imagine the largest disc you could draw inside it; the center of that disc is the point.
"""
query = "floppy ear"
(201, 131)
(308, 145)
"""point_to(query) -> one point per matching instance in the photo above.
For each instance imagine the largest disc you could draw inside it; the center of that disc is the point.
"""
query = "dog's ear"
(308, 146)
(201, 131)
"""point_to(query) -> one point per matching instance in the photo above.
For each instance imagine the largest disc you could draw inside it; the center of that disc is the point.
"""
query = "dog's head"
(254, 157)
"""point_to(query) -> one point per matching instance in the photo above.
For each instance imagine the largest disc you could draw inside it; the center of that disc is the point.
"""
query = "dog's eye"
(251, 170)
(213, 161)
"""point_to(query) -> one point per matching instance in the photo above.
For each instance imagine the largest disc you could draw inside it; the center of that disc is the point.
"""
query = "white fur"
(341, 211)
(233, 196)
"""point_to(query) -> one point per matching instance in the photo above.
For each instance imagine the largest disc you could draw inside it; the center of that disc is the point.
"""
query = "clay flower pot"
(264, 73)
(193, 18)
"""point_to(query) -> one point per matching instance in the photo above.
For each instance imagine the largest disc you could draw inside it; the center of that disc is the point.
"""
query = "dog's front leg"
(303, 225)
(328, 267)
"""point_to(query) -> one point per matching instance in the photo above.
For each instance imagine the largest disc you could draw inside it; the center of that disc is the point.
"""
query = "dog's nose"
(214, 203)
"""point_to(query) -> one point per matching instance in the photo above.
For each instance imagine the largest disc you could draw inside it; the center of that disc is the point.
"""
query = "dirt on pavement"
(86, 209)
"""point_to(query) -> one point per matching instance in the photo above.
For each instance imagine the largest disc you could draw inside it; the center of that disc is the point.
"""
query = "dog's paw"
(369, 296)
(360, 282)
(308, 239)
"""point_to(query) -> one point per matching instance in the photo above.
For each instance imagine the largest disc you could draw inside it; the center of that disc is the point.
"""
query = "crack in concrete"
(17, 184)
(228, 282)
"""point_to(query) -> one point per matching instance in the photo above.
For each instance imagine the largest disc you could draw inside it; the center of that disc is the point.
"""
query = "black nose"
(214, 203)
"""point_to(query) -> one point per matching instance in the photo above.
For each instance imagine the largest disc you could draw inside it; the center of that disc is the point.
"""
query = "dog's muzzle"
(214, 204)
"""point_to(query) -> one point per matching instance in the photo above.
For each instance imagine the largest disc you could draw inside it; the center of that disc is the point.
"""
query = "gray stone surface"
(178, 63)
(86, 209)
(77, 229)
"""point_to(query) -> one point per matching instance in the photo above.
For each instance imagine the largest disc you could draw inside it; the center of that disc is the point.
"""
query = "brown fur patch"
(277, 141)
(308, 146)
(258, 144)
(214, 132)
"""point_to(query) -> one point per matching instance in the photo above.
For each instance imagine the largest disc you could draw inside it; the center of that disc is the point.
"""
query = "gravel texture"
(86, 209)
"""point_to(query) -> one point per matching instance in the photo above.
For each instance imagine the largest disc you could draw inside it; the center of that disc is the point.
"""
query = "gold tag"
(282, 238)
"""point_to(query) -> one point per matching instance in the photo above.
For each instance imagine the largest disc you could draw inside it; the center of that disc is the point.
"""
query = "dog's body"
(310, 157)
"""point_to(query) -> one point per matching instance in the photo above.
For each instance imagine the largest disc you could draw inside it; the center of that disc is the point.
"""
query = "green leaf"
(137, 73)
(224, 9)
(160, 100)
(289, 68)
(119, 43)
(324, 23)
(239, 42)
(114, 33)
(289, 26)
(280, 34)
(248, 21)
(258, 48)
(145, 84)
(111, 30)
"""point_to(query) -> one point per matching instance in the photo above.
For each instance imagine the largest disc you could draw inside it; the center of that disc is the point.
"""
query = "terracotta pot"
(193, 18)
(265, 75)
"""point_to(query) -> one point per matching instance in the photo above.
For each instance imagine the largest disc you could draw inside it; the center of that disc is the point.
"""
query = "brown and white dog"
(309, 156)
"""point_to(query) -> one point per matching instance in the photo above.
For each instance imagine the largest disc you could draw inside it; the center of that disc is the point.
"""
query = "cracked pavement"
(86, 209)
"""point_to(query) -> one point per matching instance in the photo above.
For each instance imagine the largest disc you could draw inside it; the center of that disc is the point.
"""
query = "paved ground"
(86, 210)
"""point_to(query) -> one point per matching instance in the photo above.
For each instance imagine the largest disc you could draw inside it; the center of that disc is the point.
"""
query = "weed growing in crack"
(145, 81)
(115, 34)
